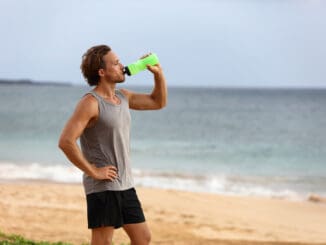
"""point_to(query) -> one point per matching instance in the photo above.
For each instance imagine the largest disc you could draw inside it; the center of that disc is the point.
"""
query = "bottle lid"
(126, 71)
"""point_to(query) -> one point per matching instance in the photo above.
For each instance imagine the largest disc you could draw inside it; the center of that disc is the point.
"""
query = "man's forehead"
(111, 56)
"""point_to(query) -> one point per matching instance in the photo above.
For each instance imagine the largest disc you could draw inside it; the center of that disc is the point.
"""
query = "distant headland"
(31, 82)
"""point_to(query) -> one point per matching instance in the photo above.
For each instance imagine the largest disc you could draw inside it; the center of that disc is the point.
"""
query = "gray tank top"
(107, 143)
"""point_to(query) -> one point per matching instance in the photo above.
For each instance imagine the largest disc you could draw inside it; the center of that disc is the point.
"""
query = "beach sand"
(57, 212)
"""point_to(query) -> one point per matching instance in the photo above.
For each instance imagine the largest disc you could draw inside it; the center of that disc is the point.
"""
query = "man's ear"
(101, 72)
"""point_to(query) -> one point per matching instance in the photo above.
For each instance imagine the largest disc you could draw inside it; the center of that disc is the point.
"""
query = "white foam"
(219, 184)
(37, 171)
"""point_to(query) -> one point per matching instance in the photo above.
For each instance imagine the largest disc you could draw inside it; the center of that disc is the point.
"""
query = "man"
(102, 122)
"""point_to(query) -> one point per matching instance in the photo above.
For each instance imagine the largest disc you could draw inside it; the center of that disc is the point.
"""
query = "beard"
(121, 80)
(116, 79)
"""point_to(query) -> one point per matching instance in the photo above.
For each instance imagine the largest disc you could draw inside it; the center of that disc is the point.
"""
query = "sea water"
(262, 142)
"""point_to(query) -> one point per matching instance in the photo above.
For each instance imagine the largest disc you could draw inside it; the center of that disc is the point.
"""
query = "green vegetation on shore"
(14, 239)
(19, 240)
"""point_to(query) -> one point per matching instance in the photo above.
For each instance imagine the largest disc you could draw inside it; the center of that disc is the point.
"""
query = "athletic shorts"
(113, 208)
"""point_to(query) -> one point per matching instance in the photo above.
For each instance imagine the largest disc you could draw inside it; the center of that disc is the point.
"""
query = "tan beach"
(57, 212)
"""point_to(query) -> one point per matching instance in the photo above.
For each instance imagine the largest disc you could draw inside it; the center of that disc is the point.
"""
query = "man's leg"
(102, 235)
(139, 233)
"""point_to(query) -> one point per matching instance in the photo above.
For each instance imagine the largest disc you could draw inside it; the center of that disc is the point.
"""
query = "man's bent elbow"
(64, 143)
(163, 104)
(160, 105)
(61, 144)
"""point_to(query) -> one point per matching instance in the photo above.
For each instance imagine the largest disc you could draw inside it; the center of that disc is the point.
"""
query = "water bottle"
(140, 65)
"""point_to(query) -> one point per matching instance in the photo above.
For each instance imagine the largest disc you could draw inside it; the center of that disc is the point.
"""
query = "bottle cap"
(126, 71)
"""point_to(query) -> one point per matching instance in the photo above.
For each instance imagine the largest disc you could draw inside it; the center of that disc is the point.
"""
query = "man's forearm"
(159, 93)
(74, 154)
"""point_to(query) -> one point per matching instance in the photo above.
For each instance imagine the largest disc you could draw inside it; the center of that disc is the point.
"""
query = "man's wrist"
(158, 74)
(92, 170)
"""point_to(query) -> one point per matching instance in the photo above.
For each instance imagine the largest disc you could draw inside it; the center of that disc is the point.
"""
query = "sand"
(57, 212)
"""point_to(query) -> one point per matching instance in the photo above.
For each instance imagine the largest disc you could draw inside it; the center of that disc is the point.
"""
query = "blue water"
(269, 142)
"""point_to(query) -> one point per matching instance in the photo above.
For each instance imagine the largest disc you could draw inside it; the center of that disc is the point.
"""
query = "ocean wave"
(218, 184)
(37, 171)
(213, 183)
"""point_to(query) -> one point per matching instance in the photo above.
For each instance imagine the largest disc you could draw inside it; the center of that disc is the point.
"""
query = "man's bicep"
(74, 128)
(139, 101)
(82, 115)
(142, 102)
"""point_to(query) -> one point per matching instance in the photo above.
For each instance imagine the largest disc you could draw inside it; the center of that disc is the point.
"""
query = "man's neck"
(106, 90)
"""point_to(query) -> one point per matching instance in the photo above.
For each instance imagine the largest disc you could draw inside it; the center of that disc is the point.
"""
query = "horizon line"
(65, 83)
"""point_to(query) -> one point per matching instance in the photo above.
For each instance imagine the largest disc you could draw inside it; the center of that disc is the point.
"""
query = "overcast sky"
(265, 43)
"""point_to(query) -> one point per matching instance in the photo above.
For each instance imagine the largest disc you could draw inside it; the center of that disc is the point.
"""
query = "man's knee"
(147, 237)
(142, 241)
(143, 238)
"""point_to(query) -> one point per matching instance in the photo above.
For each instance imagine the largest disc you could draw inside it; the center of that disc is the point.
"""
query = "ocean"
(249, 142)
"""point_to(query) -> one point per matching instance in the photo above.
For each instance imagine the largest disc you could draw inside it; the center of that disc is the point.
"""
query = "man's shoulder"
(89, 98)
(88, 103)
(126, 93)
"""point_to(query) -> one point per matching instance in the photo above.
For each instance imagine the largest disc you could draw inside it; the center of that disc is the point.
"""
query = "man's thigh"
(102, 235)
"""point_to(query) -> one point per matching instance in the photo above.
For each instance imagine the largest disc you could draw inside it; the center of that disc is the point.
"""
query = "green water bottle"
(140, 65)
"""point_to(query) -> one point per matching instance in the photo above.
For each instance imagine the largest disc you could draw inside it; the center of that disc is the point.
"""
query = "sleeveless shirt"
(107, 143)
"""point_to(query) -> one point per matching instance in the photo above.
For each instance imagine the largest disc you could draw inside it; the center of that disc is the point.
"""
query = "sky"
(220, 43)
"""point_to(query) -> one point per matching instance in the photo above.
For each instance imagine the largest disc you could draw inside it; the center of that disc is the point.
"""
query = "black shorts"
(113, 208)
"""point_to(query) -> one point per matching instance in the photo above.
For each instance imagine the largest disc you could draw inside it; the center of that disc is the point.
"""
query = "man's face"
(113, 71)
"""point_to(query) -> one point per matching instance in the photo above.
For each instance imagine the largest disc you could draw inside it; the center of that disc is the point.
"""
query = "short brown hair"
(92, 61)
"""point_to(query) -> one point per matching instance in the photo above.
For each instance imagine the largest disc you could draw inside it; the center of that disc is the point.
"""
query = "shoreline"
(243, 186)
(312, 197)
(43, 210)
